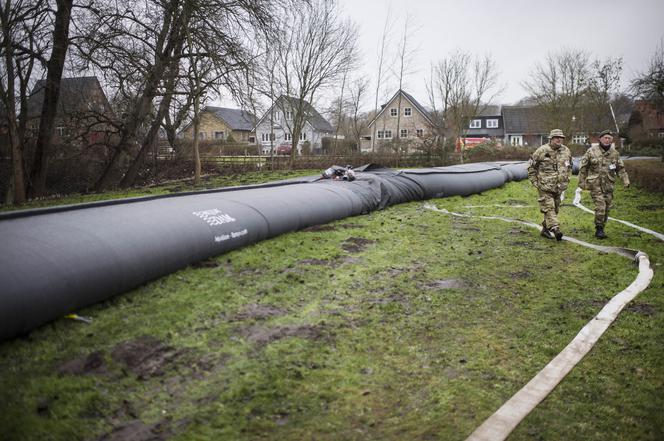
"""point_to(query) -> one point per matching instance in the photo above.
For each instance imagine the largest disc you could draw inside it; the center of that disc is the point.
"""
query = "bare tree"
(381, 60)
(405, 56)
(461, 85)
(650, 84)
(357, 120)
(23, 45)
(559, 86)
(316, 49)
(134, 47)
(55, 67)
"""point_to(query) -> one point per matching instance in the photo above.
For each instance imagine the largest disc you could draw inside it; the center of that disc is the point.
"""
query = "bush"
(646, 174)
(491, 151)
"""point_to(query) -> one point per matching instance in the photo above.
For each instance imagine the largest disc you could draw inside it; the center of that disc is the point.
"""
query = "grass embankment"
(401, 324)
(208, 182)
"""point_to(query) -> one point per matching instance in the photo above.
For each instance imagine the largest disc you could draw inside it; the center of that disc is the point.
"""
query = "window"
(218, 135)
(407, 111)
(288, 137)
(491, 123)
(265, 137)
(388, 134)
(303, 136)
(403, 133)
(516, 140)
(380, 134)
(660, 135)
(60, 130)
(289, 115)
(419, 133)
(393, 112)
(578, 139)
(476, 124)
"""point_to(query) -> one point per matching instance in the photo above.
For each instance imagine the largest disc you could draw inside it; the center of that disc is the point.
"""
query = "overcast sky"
(516, 33)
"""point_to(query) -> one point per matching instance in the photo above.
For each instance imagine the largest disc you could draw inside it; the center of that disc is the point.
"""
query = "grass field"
(404, 324)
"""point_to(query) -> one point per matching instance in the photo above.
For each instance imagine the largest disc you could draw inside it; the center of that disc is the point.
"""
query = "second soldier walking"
(549, 171)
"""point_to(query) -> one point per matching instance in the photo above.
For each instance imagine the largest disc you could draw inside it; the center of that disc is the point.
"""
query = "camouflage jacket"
(599, 169)
(549, 169)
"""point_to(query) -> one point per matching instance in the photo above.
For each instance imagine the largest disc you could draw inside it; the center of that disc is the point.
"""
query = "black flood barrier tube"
(56, 260)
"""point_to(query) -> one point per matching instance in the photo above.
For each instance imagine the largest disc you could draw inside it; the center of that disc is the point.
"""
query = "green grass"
(421, 334)
(208, 182)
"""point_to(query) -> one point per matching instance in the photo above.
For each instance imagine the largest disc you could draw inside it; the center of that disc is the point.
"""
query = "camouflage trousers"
(549, 204)
(603, 200)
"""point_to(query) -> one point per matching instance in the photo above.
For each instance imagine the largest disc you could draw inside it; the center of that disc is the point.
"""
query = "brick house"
(646, 121)
(221, 123)
(412, 126)
(83, 118)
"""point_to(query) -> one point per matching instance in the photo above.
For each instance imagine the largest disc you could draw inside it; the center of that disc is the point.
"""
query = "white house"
(275, 126)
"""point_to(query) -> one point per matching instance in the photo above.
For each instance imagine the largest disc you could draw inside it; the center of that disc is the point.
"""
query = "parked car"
(284, 149)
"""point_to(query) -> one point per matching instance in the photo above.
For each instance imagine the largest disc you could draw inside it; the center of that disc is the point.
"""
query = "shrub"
(646, 174)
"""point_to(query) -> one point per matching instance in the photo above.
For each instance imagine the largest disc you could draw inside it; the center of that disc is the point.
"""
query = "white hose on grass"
(499, 425)
(577, 203)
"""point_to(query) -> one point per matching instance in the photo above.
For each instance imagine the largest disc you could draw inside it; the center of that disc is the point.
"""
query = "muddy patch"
(262, 335)
(91, 364)
(321, 262)
(445, 284)
(517, 275)
(207, 263)
(650, 207)
(642, 308)
(356, 244)
(136, 430)
(386, 300)
(257, 312)
(516, 202)
(145, 357)
(316, 228)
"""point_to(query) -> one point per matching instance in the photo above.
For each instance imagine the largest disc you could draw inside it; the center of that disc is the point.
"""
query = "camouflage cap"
(606, 132)
(556, 133)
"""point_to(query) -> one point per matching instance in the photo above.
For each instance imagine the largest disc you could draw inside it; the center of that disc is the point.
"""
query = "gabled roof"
(75, 95)
(317, 121)
(524, 119)
(490, 110)
(410, 98)
(235, 119)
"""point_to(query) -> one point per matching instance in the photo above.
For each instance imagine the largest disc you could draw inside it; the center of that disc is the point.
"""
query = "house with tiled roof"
(222, 123)
(525, 126)
(275, 127)
(83, 112)
(401, 118)
(488, 123)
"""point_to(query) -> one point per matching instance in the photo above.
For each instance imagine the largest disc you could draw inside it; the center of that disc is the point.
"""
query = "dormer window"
(491, 123)
(476, 124)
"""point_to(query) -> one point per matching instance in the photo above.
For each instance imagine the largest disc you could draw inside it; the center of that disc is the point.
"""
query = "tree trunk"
(51, 95)
(197, 156)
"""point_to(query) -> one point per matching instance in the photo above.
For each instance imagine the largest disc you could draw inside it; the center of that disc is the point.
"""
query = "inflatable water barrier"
(57, 260)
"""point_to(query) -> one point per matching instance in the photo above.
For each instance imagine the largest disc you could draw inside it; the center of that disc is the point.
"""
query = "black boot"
(599, 232)
(546, 232)
(556, 232)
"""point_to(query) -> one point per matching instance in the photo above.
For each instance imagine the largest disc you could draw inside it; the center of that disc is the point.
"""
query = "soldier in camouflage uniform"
(549, 171)
(597, 173)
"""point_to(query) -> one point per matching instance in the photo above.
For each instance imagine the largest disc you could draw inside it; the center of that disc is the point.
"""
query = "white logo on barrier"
(234, 234)
(214, 217)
